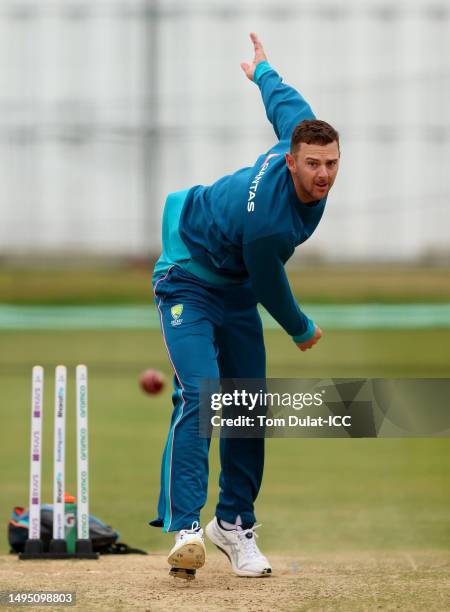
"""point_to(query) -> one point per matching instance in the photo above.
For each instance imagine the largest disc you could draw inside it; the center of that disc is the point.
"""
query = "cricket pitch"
(322, 582)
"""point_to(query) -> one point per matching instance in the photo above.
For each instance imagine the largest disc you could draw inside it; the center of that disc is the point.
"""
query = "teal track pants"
(214, 332)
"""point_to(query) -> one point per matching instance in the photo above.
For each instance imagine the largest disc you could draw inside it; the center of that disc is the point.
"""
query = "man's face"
(314, 169)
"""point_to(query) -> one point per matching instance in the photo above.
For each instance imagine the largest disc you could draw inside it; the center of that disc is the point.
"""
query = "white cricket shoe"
(240, 547)
(188, 554)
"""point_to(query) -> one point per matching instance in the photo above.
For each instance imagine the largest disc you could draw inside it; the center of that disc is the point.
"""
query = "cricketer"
(224, 250)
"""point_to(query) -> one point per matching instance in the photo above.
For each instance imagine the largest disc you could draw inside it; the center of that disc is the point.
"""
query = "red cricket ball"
(151, 381)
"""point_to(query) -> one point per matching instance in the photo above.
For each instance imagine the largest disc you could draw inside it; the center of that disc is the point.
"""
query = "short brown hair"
(313, 131)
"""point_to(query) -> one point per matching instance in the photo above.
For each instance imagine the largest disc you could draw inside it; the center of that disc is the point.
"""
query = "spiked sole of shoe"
(183, 573)
(188, 556)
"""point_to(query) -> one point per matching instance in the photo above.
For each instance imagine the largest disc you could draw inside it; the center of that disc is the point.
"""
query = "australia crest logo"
(176, 312)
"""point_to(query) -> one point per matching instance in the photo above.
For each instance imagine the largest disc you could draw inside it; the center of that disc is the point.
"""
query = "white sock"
(229, 526)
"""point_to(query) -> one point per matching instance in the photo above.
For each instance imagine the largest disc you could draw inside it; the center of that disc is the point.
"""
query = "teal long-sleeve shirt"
(247, 225)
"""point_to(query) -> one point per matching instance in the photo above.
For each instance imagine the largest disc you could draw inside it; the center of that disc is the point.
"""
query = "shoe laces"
(195, 528)
(247, 538)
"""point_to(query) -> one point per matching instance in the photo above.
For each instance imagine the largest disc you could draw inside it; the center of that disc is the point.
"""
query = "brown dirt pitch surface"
(322, 582)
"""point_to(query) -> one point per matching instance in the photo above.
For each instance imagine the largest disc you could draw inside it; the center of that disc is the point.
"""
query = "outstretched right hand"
(260, 56)
(304, 346)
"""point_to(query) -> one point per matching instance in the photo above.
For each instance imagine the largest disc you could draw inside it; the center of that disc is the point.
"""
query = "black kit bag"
(104, 538)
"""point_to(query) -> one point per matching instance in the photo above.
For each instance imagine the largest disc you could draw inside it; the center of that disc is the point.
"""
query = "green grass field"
(318, 495)
(72, 282)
